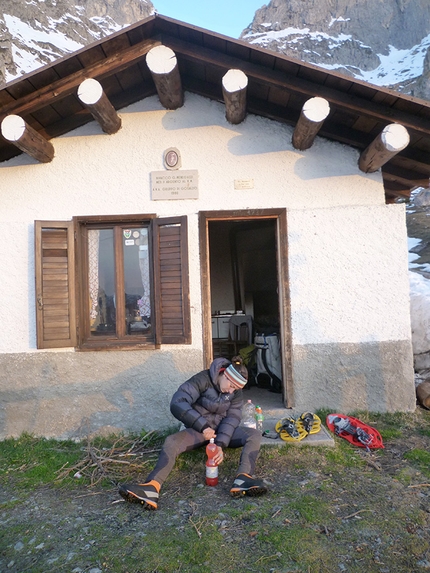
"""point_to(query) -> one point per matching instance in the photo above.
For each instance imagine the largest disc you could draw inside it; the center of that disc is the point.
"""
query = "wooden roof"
(277, 89)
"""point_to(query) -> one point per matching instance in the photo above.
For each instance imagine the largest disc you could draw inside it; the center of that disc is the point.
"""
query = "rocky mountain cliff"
(33, 33)
(384, 42)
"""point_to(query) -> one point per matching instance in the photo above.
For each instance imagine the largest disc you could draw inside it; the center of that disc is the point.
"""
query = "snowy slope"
(33, 33)
(385, 43)
(399, 66)
(32, 47)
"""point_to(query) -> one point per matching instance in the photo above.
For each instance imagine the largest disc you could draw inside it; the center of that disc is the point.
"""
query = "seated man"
(209, 405)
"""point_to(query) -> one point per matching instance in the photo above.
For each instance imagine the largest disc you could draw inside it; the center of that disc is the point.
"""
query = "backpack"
(268, 362)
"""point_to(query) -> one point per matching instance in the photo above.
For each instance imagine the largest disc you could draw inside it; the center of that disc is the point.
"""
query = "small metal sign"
(244, 183)
(172, 158)
(175, 184)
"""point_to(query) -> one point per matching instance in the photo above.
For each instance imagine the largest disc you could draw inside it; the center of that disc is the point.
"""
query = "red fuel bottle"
(211, 467)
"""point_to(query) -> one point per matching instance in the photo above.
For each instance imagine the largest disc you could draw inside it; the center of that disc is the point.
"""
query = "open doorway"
(245, 291)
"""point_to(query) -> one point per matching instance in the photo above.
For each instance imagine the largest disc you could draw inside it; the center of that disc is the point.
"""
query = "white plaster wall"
(349, 275)
(93, 173)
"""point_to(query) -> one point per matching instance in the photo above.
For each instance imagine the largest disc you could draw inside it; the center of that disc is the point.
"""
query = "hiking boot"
(144, 493)
(246, 485)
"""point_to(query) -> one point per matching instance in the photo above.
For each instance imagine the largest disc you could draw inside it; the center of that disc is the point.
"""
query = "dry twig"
(354, 514)
(109, 463)
(420, 485)
(195, 525)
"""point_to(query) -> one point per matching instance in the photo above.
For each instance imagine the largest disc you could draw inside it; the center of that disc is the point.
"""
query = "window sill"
(120, 345)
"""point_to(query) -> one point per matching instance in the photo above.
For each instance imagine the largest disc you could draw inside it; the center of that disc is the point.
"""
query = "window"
(128, 288)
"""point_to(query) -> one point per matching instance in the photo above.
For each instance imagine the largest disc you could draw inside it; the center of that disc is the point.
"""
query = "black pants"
(189, 439)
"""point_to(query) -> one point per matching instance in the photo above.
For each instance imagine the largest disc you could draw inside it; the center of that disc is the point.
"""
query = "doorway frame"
(280, 216)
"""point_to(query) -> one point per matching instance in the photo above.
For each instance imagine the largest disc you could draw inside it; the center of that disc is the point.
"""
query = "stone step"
(321, 438)
(274, 410)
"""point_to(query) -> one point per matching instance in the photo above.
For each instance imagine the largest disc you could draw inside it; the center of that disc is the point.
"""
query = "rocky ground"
(378, 517)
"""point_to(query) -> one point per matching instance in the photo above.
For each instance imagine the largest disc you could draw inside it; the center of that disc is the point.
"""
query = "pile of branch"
(122, 461)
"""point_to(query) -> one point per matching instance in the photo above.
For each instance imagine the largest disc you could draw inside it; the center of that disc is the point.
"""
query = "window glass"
(105, 274)
(137, 290)
(101, 281)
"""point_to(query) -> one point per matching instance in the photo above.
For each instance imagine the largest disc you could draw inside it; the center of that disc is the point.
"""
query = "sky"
(228, 17)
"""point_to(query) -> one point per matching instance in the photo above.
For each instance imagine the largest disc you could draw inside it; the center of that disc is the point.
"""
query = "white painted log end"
(161, 60)
(316, 109)
(90, 91)
(395, 137)
(234, 81)
(13, 127)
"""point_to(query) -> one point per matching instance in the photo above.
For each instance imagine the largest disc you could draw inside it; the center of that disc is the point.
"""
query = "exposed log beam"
(234, 85)
(312, 116)
(413, 158)
(392, 139)
(393, 193)
(397, 188)
(27, 139)
(349, 102)
(68, 85)
(79, 119)
(410, 184)
(404, 176)
(163, 66)
(391, 198)
(91, 94)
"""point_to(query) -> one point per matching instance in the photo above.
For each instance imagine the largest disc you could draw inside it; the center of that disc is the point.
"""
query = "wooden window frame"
(119, 339)
(169, 269)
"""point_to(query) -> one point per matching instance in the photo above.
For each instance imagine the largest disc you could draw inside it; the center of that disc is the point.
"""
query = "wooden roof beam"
(291, 83)
(311, 119)
(404, 176)
(234, 87)
(27, 139)
(392, 139)
(91, 94)
(394, 191)
(65, 86)
(163, 65)
(409, 183)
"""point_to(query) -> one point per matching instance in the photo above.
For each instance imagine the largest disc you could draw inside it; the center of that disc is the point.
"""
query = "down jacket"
(199, 403)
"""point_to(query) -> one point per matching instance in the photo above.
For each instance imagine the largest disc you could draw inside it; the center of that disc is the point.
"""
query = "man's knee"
(171, 443)
(254, 435)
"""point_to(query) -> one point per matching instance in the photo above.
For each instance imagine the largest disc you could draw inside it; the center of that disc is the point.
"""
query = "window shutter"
(55, 284)
(171, 281)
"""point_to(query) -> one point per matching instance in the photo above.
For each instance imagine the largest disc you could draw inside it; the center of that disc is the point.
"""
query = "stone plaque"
(175, 184)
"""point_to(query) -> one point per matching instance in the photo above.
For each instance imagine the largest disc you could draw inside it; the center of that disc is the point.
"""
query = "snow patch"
(336, 20)
(30, 37)
(395, 67)
(420, 312)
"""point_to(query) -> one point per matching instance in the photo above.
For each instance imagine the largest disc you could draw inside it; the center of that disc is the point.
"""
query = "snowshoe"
(309, 423)
(355, 431)
(288, 430)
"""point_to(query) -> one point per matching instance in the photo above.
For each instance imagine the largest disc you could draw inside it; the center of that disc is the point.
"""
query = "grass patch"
(420, 459)
(390, 434)
(33, 462)
(424, 432)
(310, 509)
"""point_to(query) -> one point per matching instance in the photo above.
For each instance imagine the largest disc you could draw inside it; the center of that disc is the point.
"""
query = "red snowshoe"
(356, 432)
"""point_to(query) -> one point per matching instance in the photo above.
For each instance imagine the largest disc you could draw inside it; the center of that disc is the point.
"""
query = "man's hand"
(219, 456)
(209, 433)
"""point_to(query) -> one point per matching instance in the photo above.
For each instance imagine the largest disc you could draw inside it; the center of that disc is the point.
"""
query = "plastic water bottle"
(211, 466)
(248, 415)
(259, 418)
